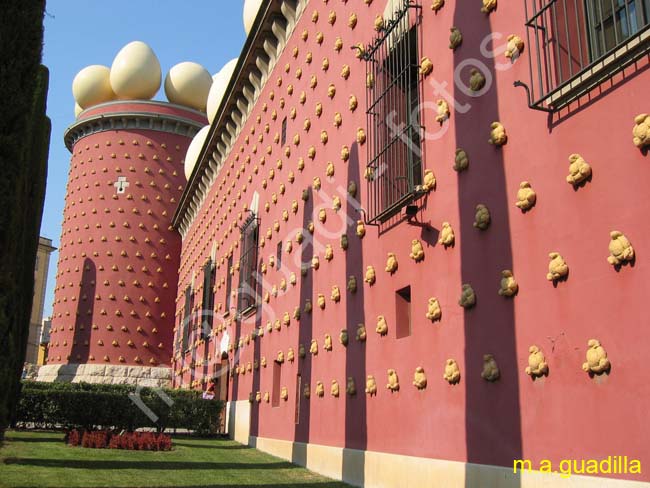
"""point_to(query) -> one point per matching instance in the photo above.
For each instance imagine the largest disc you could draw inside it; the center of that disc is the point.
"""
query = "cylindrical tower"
(117, 272)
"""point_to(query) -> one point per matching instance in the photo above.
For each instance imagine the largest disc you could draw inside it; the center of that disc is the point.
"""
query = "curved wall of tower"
(118, 264)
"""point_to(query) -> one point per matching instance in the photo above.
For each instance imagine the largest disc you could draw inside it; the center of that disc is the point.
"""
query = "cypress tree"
(24, 145)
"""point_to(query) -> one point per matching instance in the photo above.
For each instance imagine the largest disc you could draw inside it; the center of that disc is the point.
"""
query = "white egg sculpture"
(194, 150)
(251, 7)
(218, 89)
(135, 73)
(92, 86)
(188, 84)
(77, 110)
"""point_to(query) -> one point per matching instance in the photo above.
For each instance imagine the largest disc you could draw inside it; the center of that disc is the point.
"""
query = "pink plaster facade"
(567, 414)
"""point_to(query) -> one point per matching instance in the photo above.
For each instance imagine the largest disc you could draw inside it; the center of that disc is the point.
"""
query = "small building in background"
(43, 341)
(41, 268)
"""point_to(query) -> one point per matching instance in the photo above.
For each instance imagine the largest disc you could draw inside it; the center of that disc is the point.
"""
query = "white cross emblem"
(121, 184)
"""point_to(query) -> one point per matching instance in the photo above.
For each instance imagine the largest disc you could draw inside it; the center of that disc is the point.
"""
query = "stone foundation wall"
(106, 374)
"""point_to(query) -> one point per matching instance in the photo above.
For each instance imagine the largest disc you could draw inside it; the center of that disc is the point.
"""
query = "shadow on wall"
(195, 334)
(81, 342)
(305, 335)
(231, 408)
(257, 355)
(232, 412)
(356, 425)
(493, 435)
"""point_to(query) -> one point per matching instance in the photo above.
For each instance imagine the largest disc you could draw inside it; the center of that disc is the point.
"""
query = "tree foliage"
(24, 145)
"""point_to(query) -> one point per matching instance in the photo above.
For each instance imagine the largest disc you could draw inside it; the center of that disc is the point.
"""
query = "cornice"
(108, 121)
(273, 27)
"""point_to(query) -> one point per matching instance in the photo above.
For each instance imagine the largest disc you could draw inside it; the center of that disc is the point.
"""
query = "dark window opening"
(612, 21)
(178, 339)
(277, 380)
(284, 131)
(229, 273)
(403, 312)
(394, 170)
(207, 315)
(220, 378)
(298, 391)
(187, 318)
(247, 292)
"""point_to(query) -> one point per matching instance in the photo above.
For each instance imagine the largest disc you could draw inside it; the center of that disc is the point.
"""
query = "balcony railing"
(575, 45)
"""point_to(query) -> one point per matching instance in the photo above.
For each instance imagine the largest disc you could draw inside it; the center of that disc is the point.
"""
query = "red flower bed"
(141, 441)
(72, 438)
(95, 440)
(133, 441)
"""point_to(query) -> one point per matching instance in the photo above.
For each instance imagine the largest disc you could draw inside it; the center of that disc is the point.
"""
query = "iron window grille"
(247, 292)
(209, 279)
(187, 317)
(229, 283)
(574, 45)
(178, 337)
(394, 170)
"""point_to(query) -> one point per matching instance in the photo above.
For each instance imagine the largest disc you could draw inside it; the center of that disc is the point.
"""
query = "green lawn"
(35, 459)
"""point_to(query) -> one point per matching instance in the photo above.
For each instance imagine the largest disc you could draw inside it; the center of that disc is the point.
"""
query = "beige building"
(41, 268)
(44, 340)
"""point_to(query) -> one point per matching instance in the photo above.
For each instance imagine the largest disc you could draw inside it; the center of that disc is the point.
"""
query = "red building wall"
(117, 271)
(566, 415)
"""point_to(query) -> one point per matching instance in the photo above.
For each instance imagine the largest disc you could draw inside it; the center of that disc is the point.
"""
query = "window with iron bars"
(178, 338)
(187, 318)
(229, 274)
(247, 293)
(574, 45)
(209, 280)
(394, 170)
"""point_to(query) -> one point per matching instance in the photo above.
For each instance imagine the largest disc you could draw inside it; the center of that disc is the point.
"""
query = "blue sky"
(83, 32)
